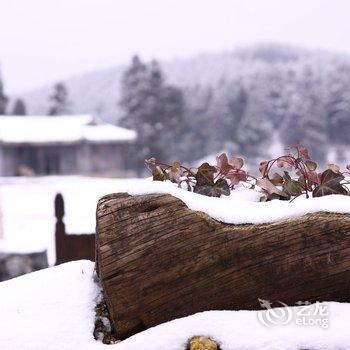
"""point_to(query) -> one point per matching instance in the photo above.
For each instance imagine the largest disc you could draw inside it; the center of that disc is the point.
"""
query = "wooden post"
(60, 231)
(71, 247)
(159, 260)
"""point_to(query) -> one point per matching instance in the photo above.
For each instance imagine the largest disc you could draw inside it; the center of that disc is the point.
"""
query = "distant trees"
(305, 119)
(293, 99)
(59, 100)
(3, 98)
(254, 130)
(231, 114)
(338, 104)
(226, 117)
(198, 135)
(153, 108)
(19, 107)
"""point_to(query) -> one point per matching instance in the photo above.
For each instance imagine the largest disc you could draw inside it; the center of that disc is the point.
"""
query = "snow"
(243, 205)
(49, 309)
(61, 129)
(27, 208)
(242, 330)
(53, 310)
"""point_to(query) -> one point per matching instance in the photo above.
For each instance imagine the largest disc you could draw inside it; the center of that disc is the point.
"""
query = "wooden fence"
(71, 247)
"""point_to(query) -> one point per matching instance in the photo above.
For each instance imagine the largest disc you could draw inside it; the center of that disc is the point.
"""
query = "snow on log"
(159, 260)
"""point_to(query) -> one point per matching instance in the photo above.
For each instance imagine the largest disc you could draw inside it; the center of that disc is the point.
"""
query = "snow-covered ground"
(53, 310)
(27, 208)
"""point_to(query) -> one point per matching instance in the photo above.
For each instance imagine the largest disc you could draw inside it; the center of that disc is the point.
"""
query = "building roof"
(72, 129)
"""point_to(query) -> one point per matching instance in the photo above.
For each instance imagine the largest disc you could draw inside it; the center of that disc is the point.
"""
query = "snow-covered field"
(27, 208)
(52, 309)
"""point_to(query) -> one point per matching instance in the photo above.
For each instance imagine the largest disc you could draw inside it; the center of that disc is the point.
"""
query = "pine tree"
(133, 99)
(338, 105)
(3, 99)
(306, 120)
(275, 84)
(59, 99)
(255, 128)
(234, 106)
(198, 129)
(151, 107)
(19, 107)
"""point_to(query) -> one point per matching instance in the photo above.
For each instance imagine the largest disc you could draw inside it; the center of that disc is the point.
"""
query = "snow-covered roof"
(60, 130)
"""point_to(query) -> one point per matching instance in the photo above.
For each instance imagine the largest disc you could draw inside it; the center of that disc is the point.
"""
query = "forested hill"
(237, 100)
(99, 91)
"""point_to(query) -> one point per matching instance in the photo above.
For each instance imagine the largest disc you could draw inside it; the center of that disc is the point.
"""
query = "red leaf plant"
(299, 176)
(304, 179)
(209, 180)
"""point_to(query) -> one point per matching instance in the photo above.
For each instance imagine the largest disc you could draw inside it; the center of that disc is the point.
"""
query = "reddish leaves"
(205, 175)
(231, 169)
(225, 166)
(263, 167)
(269, 188)
(303, 152)
(209, 180)
(286, 162)
(219, 180)
(299, 162)
(217, 189)
(206, 184)
(175, 172)
(311, 165)
(331, 183)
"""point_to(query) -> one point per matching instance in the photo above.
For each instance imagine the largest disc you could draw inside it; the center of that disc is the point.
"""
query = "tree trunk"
(159, 260)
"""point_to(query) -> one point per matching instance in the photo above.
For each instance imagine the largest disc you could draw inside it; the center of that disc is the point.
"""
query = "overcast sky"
(45, 40)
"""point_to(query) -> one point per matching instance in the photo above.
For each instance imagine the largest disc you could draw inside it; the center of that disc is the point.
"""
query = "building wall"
(101, 158)
(104, 158)
(9, 161)
(73, 159)
(42, 160)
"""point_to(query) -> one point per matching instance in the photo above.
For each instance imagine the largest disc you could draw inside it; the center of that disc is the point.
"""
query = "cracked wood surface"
(158, 260)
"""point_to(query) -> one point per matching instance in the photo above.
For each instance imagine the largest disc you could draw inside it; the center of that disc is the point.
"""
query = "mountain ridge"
(97, 92)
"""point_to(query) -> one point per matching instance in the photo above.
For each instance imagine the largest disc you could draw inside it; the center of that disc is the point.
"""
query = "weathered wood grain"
(159, 260)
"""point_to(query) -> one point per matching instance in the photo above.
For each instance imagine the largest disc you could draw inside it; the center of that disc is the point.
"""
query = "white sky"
(45, 40)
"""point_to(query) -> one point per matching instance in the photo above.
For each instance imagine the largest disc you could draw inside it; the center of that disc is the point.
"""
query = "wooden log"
(159, 260)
